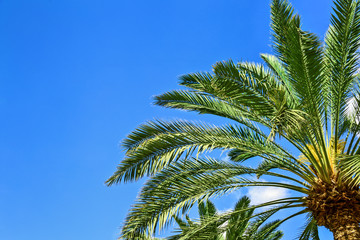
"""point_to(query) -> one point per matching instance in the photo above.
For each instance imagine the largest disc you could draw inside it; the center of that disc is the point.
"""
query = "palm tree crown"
(300, 95)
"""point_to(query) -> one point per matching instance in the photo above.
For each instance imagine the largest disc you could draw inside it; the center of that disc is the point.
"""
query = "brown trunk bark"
(344, 224)
(336, 207)
(349, 232)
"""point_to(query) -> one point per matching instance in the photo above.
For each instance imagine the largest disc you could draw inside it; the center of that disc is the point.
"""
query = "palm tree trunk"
(349, 232)
(344, 224)
(336, 207)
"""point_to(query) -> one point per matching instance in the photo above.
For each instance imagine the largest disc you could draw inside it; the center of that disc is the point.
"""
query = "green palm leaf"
(156, 144)
(342, 43)
(234, 225)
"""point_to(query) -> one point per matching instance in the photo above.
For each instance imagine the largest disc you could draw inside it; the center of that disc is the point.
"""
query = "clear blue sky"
(76, 76)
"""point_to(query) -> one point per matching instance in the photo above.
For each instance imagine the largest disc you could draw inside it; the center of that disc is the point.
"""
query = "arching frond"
(179, 186)
(154, 145)
(208, 104)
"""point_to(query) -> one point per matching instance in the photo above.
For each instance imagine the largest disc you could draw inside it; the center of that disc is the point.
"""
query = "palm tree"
(306, 95)
(237, 226)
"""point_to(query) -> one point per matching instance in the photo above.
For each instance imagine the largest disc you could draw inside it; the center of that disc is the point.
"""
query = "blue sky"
(76, 76)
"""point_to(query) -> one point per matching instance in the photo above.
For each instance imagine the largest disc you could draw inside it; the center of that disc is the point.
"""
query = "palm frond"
(181, 185)
(350, 166)
(155, 145)
(342, 43)
(226, 216)
(279, 70)
(208, 104)
(302, 56)
(310, 230)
